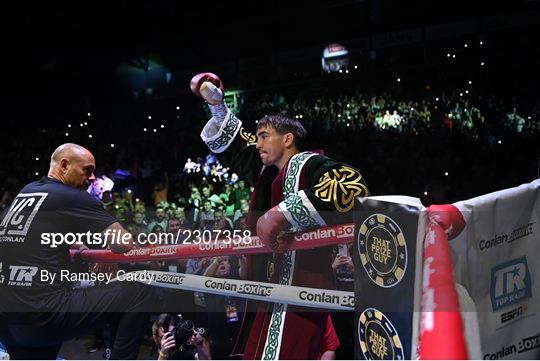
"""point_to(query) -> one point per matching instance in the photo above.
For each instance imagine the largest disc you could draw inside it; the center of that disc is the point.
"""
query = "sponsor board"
(383, 250)
(378, 337)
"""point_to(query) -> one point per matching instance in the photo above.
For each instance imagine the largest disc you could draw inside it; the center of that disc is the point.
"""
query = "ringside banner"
(387, 261)
(496, 260)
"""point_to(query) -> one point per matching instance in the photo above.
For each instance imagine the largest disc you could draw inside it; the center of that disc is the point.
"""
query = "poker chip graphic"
(378, 337)
(383, 250)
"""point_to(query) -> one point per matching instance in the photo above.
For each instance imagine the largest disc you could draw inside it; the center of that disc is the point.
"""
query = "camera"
(184, 330)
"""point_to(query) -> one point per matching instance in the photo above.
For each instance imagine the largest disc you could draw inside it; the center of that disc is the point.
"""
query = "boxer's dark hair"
(283, 125)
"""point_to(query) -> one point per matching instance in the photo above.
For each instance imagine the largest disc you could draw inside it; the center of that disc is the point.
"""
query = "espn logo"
(510, 283)
(512, 314)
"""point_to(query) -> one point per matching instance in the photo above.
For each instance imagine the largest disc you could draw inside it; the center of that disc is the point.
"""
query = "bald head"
(73, 165)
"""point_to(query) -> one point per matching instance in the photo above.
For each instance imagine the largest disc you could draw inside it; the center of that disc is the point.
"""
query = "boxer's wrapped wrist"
(219, 112)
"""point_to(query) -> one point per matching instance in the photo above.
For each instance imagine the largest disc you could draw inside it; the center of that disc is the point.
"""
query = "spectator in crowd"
(206, 216)
(160, 190)
(225, 312)
(239, 193)
(159, 219)
(191, 166)
(242, 211)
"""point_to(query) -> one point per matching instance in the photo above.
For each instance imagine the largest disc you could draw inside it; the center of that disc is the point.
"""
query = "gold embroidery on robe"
(340, 186)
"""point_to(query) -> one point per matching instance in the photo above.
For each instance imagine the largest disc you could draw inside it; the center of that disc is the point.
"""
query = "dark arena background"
(438, 100)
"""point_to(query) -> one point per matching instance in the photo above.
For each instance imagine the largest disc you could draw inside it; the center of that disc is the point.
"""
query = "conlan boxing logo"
(382, 250)
(14, 226)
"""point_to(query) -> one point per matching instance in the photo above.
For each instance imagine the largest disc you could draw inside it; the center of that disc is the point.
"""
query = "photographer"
(179, 339)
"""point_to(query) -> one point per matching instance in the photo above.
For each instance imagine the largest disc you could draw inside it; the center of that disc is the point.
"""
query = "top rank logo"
(21, 275)
(510, 283)
(18, 219)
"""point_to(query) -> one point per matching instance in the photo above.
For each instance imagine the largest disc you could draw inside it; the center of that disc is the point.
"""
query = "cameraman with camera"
(179, 339)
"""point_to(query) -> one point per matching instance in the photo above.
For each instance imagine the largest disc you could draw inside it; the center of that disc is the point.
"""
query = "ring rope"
(320, 237)
(270, 292)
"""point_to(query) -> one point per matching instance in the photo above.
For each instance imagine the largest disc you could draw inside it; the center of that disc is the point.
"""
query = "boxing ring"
(405, 308)
(437, 289)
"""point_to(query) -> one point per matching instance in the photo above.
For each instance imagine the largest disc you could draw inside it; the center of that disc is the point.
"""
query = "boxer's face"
(271, 145)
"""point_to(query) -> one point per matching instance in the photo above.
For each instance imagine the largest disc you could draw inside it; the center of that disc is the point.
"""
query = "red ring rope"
(326, 236)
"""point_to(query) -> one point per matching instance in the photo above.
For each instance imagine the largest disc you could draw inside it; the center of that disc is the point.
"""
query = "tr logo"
(510, 283)
(21, 275)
